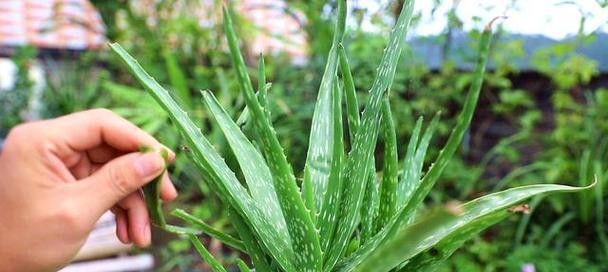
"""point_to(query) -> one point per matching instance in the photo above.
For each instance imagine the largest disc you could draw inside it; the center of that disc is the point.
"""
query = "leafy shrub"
(15, 101)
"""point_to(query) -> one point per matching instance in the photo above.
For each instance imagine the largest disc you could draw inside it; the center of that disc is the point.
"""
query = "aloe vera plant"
(340, 218)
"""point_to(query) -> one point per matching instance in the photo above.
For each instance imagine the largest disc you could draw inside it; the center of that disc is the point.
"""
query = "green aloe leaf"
(411, 178)
(431, 258)
(330, 209)
(216, 266)
(152, 192)
(257, 175)
(262, 93)
(369, 207)
(365, 140)
(209, 230)
(388, 187)
(304, 239)
(425, 234)
(262, 90)
(180, 230)
(242, 265)
(352, 104)
(254, 250)
(406, 185)
(244, 116)
(371, 196)
(453, 142)
(423, 188)
(320, 150)
(211, 164)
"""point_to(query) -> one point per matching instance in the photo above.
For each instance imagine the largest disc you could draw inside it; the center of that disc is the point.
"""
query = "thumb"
(122, 176)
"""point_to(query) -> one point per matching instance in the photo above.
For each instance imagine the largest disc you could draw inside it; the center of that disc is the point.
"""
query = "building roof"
(51, 24)
(279, 30)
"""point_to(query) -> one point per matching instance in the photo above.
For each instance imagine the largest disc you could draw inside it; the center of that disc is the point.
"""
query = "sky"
(556, 19)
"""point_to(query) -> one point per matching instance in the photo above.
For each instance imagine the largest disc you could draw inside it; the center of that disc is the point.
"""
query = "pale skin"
(58, 176)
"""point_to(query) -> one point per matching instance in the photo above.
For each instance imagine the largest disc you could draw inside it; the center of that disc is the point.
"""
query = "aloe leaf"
(423, 235)
(421, 190)
(433, 257)
(262, 93)
(319, 157)
(388, 187)
(330, 209)
(257, 175)
(262, 90)
(211, 164)
(216, 266)
(453, 142)
(406, 186)
(411, 178)
(365, 139)
(242, 265)
(180, 230)
(371, 201)
(244, 116)
(308, 196)
(209, 230)
(305, 243)
(152, 193)
(252, 246)
(352, 104)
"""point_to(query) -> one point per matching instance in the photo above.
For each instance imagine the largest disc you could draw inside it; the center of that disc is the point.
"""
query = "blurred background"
(540, 117)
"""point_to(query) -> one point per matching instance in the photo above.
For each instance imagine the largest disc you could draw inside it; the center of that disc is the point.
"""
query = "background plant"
(15, 101)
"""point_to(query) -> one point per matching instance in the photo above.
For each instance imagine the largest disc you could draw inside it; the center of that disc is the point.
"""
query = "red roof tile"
(55, 24)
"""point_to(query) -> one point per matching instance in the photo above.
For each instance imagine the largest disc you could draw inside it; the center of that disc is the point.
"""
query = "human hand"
(58, 176)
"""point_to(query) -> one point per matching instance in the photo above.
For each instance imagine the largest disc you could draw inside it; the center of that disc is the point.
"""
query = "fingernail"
(147, 235)
(149, 164)
(172, 190)
(171, 154)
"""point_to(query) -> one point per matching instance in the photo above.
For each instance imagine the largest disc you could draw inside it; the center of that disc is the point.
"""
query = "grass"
(339, 218)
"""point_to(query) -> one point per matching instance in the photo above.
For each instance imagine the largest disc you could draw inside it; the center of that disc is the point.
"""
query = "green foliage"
(496, 255)
(276, 219)
(15, 101)
(74, 85)
(571, 258)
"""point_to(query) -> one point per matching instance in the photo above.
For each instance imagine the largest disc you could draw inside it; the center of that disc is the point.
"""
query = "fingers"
(89, 161)
(138, 222)
(82, 168)
(129, 217)
(122, 231)
(102, 153)
(90, 129)
(167, 190)
(120, 177)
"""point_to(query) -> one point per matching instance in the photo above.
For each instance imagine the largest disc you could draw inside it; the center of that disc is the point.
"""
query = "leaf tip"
(489, 25)
(595, 181)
